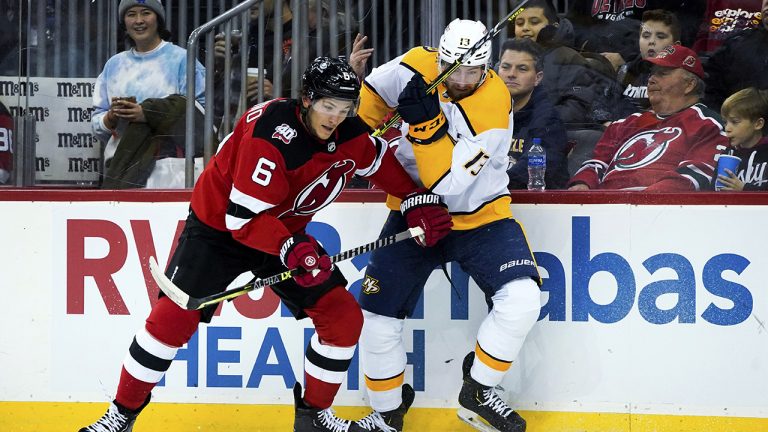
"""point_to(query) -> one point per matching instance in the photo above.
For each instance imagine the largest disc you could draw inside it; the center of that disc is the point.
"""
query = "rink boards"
(654, 321)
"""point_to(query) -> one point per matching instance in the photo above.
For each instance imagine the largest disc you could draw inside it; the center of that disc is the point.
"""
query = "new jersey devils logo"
(324, 189)
(644, 148)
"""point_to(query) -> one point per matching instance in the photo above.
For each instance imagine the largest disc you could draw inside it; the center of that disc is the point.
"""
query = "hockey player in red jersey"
(286, 160)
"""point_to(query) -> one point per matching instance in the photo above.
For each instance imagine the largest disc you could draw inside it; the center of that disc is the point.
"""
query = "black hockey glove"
(426, 120)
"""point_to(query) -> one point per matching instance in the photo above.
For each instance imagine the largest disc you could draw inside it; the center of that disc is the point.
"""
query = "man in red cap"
(670, 148)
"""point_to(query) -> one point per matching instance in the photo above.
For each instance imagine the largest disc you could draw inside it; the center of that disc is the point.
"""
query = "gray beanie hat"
(155, 5)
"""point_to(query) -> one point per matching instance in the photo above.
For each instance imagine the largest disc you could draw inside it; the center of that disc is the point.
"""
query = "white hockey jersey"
(468, 166)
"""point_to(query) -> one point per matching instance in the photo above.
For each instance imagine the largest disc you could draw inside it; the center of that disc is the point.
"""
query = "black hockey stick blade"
(459, 61)
(185, 301)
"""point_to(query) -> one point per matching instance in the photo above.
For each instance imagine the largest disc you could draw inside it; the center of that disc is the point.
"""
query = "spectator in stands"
(270, 62)
(151, 68)
(282, 64)
(9, 37)
(660, 29)
(521, 68)
(746, 124)
(584, 96)
(740, 62)
(6, 145)
(670, 148)
(725, 18)
(610, 27)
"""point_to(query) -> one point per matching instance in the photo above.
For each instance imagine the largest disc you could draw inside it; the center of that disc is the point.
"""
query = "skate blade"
(474, 420)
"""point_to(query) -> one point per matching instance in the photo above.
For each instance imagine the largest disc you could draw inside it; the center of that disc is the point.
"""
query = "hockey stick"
(192, 303)
(455, 65)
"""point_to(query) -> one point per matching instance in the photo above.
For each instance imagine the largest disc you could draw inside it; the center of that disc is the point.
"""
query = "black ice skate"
(117, 419)
(389, 421)
(482, 408)
(309, 419)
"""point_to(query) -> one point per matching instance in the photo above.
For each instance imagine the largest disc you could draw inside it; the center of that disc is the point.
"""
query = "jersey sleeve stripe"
(235, 223)
(381, 147)
(254, 205)
(695, 175)
(242, 208)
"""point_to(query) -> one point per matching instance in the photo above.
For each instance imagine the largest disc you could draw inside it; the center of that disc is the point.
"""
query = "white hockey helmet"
(459, 36)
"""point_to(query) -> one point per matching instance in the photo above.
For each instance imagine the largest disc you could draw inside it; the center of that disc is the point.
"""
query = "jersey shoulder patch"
(278, 125)
(278, 122)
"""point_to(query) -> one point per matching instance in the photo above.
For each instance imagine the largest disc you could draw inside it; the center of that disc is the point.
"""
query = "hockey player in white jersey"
(455, 145)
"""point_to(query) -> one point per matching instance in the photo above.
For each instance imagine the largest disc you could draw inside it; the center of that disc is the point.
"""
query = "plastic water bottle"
(537, 166)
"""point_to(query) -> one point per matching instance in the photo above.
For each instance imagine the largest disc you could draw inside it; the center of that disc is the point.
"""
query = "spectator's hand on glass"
(252, 91)
(579, 187)
(731, 183)
(128, 109)
(359, 55)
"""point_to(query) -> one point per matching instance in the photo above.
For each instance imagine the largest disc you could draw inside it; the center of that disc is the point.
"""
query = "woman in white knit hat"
(151, 68)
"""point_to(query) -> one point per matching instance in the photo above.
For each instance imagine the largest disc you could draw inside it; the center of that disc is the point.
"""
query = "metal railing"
(72, 39)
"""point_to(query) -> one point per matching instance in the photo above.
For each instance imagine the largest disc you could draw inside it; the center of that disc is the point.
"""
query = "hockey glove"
(426, 120)
(424, 209)
(300, 251)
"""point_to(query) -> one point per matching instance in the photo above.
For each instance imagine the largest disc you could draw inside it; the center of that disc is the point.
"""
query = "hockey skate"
(309, 419)
(482, 408)
(116, 419)
(389, 421)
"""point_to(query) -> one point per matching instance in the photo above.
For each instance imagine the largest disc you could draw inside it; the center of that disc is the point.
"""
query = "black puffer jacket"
(585, 96)
(740, 62)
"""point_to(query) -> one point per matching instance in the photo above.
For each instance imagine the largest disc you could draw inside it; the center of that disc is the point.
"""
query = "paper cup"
(253, 72)
(724, 162)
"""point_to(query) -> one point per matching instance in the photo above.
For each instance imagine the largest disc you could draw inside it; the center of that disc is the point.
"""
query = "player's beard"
(459, 94)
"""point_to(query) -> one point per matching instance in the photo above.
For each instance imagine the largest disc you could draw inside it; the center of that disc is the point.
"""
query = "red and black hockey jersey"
(649, 152)
(270, 176)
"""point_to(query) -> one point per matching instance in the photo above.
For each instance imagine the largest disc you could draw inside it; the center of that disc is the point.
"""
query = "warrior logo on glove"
(425, 209)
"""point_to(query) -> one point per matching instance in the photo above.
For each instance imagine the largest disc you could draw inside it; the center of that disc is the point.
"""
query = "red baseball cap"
(678, 56)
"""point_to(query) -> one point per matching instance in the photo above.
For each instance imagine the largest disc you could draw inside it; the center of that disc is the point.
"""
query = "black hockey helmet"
(330, 77)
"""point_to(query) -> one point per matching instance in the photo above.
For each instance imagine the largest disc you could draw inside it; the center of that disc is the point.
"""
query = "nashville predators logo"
(370, 286)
